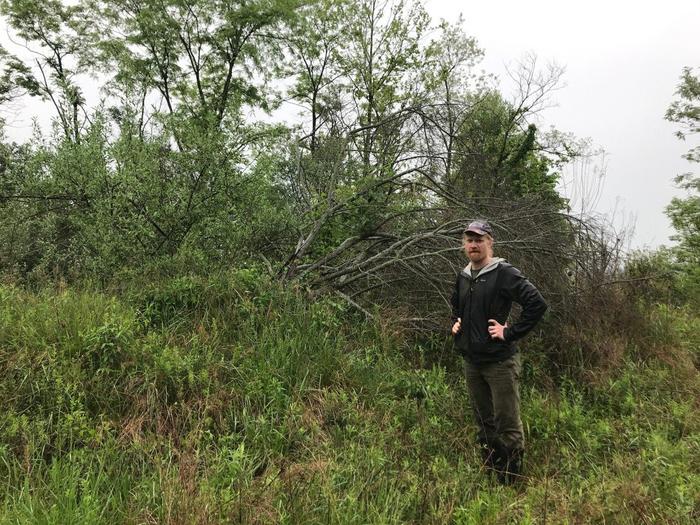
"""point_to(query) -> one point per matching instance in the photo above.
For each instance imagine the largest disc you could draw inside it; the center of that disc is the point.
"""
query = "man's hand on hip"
(496, 330)
(457, 326)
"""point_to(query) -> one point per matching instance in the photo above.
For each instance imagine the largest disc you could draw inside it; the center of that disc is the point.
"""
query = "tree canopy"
(398, 141)
(685, 212)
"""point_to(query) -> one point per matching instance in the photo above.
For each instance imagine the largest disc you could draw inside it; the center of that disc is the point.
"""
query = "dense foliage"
(398, 141)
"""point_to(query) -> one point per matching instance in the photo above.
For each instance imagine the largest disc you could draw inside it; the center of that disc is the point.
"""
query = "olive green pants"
(495, 397)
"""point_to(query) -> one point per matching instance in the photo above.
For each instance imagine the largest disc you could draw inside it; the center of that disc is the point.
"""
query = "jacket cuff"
(506, 334)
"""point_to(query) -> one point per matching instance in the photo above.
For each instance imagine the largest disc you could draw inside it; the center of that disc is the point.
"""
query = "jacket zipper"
(469, 324)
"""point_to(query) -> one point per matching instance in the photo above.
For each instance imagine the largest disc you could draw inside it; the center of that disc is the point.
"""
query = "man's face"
(477, 247)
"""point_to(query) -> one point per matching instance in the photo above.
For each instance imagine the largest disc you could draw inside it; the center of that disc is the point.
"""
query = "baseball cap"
(479, 227)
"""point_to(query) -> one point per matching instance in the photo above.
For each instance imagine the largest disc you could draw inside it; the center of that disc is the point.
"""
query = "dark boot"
(510, 467)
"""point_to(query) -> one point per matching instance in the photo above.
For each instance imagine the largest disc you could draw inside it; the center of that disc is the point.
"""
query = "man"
(481, 302)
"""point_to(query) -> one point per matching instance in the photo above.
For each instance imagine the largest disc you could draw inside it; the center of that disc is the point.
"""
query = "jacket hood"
(490, 266)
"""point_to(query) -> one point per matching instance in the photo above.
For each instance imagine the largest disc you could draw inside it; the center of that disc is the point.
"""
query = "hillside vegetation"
(229, 399)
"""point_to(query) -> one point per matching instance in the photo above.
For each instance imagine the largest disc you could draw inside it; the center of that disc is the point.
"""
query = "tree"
(451, 87)
(685, 212)
(349, 185)
(686, 110)
(172, 150)
(54, 34)
(314, 39)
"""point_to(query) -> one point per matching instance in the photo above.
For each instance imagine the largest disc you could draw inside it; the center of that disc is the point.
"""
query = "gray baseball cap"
(479, 227)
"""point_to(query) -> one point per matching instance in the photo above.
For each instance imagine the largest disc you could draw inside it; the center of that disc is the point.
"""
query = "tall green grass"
(229, 400)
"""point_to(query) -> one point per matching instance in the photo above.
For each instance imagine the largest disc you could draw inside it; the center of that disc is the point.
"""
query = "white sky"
(623, 61)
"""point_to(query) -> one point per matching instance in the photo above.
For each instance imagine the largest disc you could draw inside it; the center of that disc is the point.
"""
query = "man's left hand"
(496, 330)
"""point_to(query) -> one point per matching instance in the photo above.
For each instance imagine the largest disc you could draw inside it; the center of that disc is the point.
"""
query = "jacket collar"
(489, 267)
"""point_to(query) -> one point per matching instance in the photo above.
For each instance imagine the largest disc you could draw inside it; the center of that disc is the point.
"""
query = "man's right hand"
(457, 326)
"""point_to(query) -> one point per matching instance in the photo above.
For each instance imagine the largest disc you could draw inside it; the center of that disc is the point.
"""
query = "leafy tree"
(167, 166)
(686, 110)
(202, 58)
(54, 33)
(349, 185)
(498, 153)
(382, 58)
(314, 40)
(685, 212)
(451, 86)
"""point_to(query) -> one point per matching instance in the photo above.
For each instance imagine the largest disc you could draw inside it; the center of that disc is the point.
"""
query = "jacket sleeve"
(526, 295)
(455, 302)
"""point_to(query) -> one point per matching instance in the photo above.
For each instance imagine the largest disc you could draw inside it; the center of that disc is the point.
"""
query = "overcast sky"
(623, 60)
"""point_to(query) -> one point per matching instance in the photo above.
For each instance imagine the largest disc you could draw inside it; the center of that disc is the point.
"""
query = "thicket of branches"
(341, 144)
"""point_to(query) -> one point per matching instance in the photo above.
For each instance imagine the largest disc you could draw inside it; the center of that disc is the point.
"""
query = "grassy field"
(228, 400)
